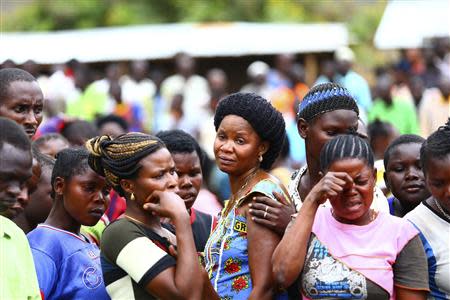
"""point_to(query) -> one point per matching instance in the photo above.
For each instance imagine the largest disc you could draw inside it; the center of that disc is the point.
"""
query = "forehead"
(438, 167)
(88, 175)
(341, 118)
(15, 161)
(186, 159)
(236, 123)
(24, 91)
(404, 151)
(352, 166)
(159, 158)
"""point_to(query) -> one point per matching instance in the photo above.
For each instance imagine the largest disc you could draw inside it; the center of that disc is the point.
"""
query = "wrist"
(180, 217)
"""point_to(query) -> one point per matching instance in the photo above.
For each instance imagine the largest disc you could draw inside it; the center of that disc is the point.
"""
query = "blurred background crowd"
(398, 92)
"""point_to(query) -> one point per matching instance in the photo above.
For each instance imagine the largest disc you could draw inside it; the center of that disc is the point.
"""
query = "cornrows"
(119, 158)
(323, 98)
(343, 147)
(436, 146)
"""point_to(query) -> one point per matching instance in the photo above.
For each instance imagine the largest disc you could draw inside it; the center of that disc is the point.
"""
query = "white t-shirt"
(435, 236)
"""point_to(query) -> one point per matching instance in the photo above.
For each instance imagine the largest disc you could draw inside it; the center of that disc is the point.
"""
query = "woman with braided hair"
(138, 255)
(349, 250)
(250, 134)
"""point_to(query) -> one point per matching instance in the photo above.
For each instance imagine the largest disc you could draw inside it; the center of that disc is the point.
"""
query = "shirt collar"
(4, 228)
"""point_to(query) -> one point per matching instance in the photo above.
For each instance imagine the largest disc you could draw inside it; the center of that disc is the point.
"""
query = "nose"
(172, 181)
(412, 174)
(226, 146)
(184, 182)
(31, 119)
(22, 197)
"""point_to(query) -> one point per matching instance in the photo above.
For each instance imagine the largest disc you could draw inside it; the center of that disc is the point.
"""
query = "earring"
(132, 197)
(260, 158)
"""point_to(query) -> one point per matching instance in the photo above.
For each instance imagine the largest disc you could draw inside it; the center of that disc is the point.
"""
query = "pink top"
(207, 202)
(369, 249)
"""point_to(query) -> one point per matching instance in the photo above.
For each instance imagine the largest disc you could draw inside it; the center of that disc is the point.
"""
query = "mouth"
(225, 160)
(353, 205)
(97, 212)
(189, 196)
(30, 131)
(413, 188)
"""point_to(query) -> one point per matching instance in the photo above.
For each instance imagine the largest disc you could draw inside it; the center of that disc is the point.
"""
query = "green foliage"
(361, 16)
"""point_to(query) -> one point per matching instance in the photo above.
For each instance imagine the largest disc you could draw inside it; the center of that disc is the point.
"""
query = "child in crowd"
(67, 264)
(51, 143)
(188, 157)
(432, 216)
(404, 176)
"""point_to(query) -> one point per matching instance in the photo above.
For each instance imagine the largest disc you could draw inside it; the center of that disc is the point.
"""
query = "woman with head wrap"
(249, 137)
(327, 110)
(138, 254)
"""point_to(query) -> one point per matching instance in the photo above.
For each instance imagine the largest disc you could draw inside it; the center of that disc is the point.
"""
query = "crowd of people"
(134, 186)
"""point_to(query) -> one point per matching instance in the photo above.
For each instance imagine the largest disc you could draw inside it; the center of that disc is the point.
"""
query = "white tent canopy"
(406, 23)
(164, 41)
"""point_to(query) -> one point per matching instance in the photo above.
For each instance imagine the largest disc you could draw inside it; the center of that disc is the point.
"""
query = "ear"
(263, 147)
(127, 185)
(59, 186)
(302, 127)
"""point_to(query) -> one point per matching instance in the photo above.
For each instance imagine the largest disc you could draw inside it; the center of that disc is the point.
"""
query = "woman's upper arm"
(411, 270)
(261, 244)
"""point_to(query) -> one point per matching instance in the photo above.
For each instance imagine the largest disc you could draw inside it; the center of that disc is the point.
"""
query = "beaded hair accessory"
(324, 98)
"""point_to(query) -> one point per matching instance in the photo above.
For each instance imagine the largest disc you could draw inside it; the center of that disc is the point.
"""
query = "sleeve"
(125, 247)
(411, 268)
(46, 272)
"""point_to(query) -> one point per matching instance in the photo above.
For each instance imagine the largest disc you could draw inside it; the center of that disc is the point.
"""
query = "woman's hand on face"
(272, 214)
(165, 204)
(330, 186)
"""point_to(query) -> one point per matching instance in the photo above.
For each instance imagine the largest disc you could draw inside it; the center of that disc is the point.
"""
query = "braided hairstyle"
(401, 140)
(324, 98)
(345, 146)
(437, 145)
(69, 162)
(119, 158)
(267, 122)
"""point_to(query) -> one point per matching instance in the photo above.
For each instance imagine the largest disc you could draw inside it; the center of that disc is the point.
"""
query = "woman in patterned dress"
(249, 137)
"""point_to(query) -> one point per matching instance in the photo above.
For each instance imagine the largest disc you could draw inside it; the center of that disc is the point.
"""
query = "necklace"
(235, 197)
(372, 215)
(441, 209)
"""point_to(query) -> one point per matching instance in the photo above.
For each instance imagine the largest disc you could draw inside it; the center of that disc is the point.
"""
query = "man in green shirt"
(17, 272)
(399, 112)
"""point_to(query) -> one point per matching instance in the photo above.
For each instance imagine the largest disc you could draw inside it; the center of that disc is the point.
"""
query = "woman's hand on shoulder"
(166, 204)
(270, 213)
(330, 186)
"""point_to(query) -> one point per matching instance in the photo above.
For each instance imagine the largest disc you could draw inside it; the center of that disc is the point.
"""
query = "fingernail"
(250, 205)
(250, 210)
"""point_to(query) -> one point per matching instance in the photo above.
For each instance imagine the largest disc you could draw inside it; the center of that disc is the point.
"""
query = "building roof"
(406, 24)
(164, 41)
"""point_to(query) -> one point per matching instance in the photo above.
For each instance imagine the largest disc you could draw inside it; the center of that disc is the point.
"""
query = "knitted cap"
(267, 122)
(324, 98)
